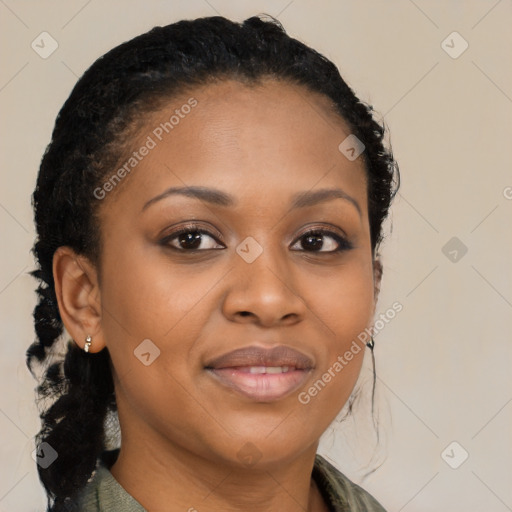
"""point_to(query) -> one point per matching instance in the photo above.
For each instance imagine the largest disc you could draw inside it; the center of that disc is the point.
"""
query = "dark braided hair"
(92, 132)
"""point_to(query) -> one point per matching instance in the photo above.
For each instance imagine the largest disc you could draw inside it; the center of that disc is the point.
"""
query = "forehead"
(227, 134)
(231, 114)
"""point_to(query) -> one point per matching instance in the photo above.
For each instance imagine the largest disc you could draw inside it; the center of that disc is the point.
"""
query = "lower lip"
(261, 387)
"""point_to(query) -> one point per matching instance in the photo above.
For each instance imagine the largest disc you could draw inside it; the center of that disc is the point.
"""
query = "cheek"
(344, 311)
(146, 297)
(341, 356)
(343, 302)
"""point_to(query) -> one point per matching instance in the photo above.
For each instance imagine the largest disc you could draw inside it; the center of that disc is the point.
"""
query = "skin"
(181, 430)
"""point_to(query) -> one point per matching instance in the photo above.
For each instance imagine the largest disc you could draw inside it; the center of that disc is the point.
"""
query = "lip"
(232, 370)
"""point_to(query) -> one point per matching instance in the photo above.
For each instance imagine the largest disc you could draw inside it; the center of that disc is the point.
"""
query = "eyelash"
(343, 243)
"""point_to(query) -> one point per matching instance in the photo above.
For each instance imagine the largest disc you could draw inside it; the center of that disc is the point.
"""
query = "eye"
(314, 241)
(191, 238)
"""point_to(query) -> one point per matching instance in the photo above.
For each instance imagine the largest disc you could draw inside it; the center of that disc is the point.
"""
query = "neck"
(170, 478)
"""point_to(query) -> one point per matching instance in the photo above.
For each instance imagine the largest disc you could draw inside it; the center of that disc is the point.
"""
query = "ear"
(78, 297)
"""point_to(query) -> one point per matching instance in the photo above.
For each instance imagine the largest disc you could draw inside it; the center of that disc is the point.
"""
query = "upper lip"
(258, 356)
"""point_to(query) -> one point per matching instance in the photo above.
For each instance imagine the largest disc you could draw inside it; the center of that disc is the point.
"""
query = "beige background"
(444, 362)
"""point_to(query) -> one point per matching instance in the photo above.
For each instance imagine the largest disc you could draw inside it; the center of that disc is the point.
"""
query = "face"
(224, 308)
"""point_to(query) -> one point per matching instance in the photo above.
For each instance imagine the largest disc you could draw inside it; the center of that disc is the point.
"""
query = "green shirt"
(103, 493)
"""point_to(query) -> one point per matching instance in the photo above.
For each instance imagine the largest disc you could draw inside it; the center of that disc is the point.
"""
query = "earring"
(371, 344)
(88, 342)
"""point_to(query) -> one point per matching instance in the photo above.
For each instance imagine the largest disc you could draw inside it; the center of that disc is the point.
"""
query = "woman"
(208, 215)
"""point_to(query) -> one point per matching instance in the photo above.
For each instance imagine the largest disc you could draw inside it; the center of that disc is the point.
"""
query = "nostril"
(244, 313)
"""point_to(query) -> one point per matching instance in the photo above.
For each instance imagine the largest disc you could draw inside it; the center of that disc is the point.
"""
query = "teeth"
(257, 369)
(277, 369)
(269, 369)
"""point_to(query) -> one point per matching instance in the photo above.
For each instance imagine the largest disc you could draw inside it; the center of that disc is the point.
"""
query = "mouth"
(263, 375)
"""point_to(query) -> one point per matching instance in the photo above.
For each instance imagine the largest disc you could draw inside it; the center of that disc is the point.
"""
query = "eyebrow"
(219, 198)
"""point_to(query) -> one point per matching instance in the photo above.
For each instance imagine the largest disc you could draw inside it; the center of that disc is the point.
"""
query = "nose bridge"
(262, 282)
(261, 263)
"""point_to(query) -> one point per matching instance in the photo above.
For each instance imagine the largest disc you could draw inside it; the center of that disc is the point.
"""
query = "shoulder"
(340, 492)
(103, 493)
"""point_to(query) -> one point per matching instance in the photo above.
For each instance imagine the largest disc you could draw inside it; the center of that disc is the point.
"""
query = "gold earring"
(88, 342)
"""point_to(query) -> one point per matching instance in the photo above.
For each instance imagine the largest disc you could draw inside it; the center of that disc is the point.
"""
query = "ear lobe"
(78, 297)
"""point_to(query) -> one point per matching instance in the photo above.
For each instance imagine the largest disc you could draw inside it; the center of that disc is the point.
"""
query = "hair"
(90, 136)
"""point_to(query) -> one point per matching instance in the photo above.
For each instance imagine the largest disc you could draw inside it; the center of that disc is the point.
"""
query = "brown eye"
(191, 238)
(322, 240)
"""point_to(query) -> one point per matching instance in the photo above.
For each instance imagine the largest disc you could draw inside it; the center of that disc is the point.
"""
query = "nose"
(263, 292)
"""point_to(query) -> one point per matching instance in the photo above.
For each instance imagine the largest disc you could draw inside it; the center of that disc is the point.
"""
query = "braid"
(76, 421)
(94, 129)
(74, 424)
(48, 324)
